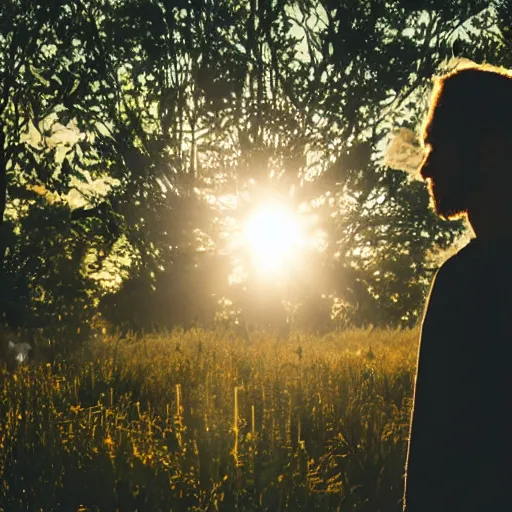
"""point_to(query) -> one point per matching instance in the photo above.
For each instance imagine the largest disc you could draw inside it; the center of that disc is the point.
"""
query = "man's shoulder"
(459, 261)
(451, 267)
(450, 286)
(452, 276)
(479, 267)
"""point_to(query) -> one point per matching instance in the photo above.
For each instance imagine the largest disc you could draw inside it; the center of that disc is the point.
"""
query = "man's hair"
(471, 102)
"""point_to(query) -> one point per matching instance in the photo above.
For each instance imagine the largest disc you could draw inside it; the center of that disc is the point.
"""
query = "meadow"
(210, 421)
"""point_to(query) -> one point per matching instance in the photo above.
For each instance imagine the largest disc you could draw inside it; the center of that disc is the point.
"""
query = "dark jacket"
(459, 456)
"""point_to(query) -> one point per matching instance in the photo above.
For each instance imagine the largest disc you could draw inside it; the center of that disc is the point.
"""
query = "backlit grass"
(207, 421)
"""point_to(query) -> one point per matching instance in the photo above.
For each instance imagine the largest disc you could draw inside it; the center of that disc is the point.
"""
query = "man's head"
(467, 135)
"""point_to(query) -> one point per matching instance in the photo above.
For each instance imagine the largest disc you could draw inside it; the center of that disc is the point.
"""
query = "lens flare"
(274, 238)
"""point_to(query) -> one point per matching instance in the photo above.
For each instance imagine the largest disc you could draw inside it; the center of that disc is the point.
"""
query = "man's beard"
(448, 204)
(451, 200)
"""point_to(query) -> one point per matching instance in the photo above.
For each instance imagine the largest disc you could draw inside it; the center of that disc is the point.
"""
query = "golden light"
(274, 238)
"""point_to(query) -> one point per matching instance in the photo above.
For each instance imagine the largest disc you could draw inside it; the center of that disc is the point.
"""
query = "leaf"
(74, 87)
(81, 177)
(38, 76)
(19, 192)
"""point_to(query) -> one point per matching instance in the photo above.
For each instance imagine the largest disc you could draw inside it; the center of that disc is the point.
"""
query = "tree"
(369, 69)
(48, 167)
(138, 135)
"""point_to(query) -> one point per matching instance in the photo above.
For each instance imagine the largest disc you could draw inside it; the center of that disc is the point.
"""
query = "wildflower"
(20, 351)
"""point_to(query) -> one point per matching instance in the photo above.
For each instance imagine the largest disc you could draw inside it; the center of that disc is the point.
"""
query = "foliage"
(137, 136)
(207, 421)
(44, 157)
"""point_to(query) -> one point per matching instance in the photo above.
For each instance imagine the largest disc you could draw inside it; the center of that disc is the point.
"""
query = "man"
(460, 457)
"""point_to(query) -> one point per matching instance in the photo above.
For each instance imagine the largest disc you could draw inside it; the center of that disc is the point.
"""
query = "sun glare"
(274, 239)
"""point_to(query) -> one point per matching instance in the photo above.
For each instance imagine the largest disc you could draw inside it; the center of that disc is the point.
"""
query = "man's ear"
(495, 151)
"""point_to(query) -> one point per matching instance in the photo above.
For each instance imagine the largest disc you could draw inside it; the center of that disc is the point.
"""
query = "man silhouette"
(459, 457)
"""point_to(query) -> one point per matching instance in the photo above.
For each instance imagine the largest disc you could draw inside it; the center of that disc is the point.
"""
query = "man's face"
(448, 171)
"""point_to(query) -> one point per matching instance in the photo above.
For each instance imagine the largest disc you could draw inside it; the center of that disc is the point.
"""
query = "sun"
(274, 239)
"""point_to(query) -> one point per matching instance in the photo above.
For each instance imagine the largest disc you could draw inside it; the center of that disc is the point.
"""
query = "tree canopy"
(139, 135)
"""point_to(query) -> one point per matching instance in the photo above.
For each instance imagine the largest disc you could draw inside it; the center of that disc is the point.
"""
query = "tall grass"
(205, 421)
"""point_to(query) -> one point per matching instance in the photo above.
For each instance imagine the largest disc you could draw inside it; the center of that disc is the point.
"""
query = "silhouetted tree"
(137, 136)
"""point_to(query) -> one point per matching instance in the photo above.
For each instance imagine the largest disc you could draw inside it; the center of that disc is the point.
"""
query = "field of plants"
(209, 421)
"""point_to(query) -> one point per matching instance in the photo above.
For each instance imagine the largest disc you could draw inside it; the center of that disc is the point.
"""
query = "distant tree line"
(136, 135)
